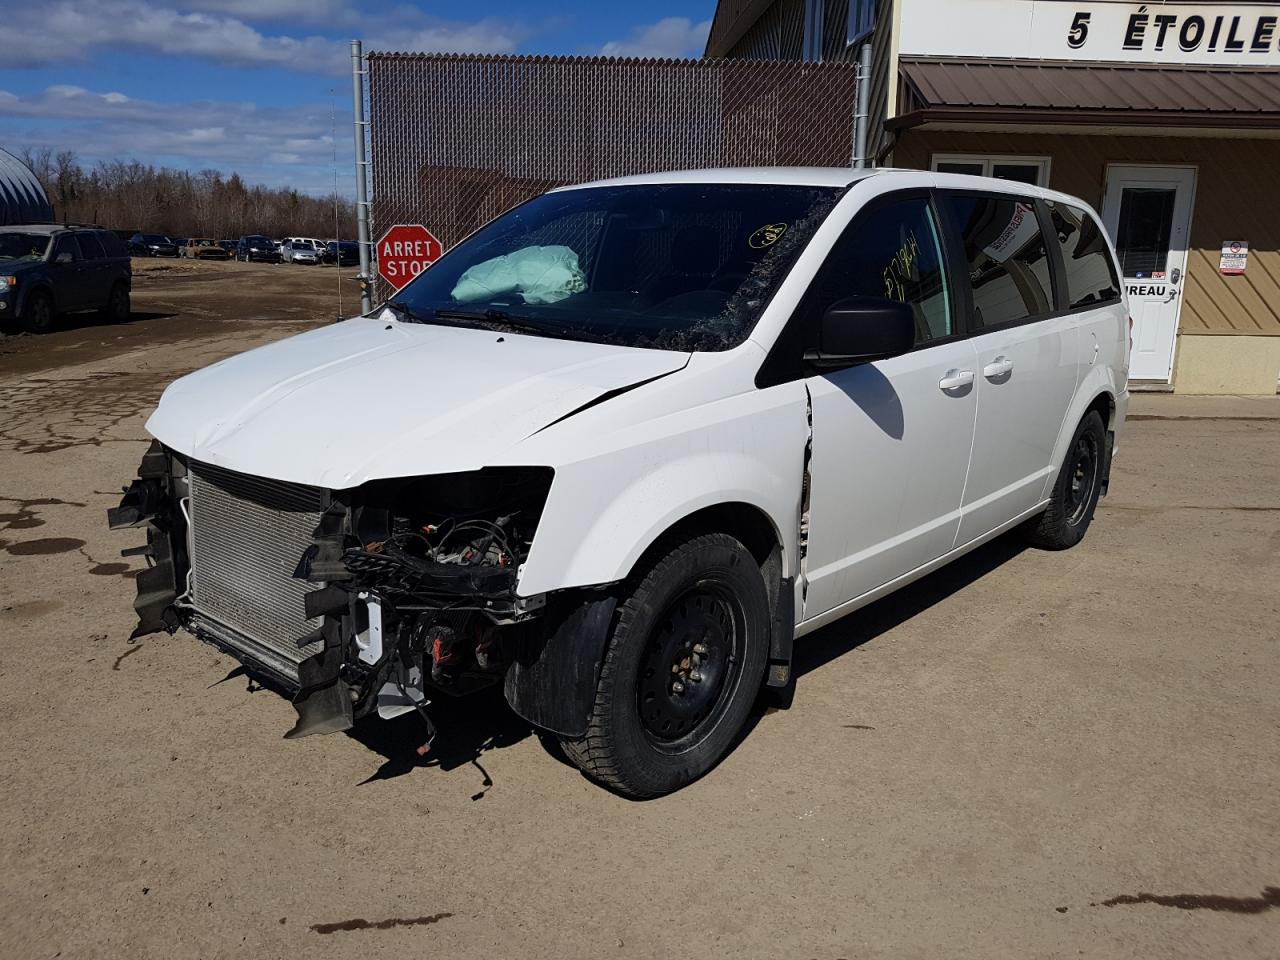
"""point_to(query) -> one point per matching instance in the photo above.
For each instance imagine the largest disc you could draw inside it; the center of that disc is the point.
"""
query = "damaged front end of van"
(370, 600)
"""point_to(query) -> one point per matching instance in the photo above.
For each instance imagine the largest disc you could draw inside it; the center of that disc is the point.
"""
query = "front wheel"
(685, 661)
(1075, 492)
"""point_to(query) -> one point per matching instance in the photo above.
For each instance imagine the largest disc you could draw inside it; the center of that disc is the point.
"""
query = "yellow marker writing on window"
(767, 236)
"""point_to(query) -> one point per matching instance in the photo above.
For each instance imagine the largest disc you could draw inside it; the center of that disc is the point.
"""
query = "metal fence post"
(862, 119)
(362, 177)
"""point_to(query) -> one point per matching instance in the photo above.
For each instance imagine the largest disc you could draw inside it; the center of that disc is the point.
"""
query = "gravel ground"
(1025, 755)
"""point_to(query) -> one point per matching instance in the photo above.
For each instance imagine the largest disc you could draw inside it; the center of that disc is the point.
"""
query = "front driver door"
(891, 439)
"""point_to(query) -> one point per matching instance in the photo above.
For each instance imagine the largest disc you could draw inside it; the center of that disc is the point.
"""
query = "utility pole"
(358, 74)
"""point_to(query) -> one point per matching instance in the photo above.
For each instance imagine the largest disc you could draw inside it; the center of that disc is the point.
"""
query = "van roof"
(832, 177)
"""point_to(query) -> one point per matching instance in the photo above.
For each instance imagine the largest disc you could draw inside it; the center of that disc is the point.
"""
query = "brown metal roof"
(1079, 92)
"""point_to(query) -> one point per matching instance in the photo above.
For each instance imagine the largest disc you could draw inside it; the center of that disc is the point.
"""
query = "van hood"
(372, 398)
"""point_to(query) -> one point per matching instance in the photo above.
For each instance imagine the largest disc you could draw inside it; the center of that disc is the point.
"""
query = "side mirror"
(861, 330)
(66, 256)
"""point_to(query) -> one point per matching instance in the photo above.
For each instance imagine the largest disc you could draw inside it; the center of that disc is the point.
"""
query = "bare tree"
(135, 196)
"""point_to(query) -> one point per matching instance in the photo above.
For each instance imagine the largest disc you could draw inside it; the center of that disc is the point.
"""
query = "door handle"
(997, 368)
(955, 379)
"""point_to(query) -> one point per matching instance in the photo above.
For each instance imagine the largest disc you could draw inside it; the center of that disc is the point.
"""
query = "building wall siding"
(1235, 200)
(883, 77)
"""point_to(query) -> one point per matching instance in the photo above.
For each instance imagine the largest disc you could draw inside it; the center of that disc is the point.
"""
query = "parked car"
(303, 243)
(229, 246)
(152, 245)
(342, 252)
(263, 249)
(203, 248)
(622, 492)
(49, 269)
(298, 251)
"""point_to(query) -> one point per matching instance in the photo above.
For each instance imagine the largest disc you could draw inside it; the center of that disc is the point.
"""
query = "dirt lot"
(1029, 755)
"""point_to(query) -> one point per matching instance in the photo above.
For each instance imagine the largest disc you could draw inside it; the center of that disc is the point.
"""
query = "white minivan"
(618, 449)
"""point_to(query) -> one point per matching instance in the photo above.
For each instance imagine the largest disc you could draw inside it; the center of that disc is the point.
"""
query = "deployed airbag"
(539, 274)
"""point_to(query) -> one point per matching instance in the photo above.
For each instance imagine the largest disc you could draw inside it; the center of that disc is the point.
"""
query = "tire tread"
(594, 753)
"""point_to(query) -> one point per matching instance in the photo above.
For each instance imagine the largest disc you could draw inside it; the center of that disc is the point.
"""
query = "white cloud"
(210, 31)
(336, 12)
(276, 146)
(487, 36)
(669, 37)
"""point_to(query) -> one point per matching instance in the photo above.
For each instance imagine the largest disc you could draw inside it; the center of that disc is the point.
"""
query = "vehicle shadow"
(469, 727)
(89, 320)
(466, 729)
(822, 646)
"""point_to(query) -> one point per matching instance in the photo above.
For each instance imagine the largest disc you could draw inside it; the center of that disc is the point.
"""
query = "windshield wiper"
(407, 313)
(490, 319)
(499, 320)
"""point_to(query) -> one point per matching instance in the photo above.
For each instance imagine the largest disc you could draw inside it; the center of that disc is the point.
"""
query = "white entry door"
(1147, 211)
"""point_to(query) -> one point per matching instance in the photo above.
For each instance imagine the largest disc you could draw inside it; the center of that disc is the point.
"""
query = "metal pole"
(862, 119)
(362, 179)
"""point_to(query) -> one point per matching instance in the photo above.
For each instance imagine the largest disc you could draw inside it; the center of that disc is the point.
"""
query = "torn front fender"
(552, 680)
(152, 501)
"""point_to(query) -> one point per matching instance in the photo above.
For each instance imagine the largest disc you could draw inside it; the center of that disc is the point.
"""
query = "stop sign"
(405, 251)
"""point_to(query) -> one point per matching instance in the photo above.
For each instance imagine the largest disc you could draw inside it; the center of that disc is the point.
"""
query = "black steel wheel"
(691, 663)
(1083, 464)
(686, 658)
(1075, 493)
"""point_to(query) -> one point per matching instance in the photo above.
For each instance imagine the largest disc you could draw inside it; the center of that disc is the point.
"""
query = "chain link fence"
(456, 140)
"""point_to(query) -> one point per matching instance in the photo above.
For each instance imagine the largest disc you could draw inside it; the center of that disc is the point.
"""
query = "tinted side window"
(66, 244)
(1005, 258)
(891, 250)
(113, 245)
(91, 246)
(1091, 273)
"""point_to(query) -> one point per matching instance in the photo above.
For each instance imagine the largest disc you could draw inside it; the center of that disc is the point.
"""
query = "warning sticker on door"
(1235, 257)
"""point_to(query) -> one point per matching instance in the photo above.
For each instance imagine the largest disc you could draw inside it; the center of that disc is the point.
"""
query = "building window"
(1030, 170)
(862, 20)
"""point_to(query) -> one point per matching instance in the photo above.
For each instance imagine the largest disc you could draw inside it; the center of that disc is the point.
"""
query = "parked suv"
(342, 252)
(152, 245)
(621, 447)
(48, 269)
(252, 248)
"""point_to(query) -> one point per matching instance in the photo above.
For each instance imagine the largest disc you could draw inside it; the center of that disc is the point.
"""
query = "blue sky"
(257, 86)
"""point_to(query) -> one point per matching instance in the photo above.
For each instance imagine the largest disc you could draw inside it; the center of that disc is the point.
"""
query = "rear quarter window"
(1090, 271)
(113, 245)
(91, 246)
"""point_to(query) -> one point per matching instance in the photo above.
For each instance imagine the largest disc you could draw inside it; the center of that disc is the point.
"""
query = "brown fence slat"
(457, 139)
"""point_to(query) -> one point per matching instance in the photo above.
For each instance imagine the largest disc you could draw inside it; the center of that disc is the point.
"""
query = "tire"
(117, 309)
(37, 313)
(649, 734)
(1076, 490)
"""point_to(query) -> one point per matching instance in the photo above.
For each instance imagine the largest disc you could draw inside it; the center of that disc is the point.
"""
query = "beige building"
(1164, 116)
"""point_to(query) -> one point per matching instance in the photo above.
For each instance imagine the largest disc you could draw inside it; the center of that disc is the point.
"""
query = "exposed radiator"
(247, 536)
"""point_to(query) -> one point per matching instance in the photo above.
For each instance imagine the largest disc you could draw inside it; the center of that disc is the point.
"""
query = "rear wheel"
(116, 309)
(685, 660)
(1075, 492)
(37, 313)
